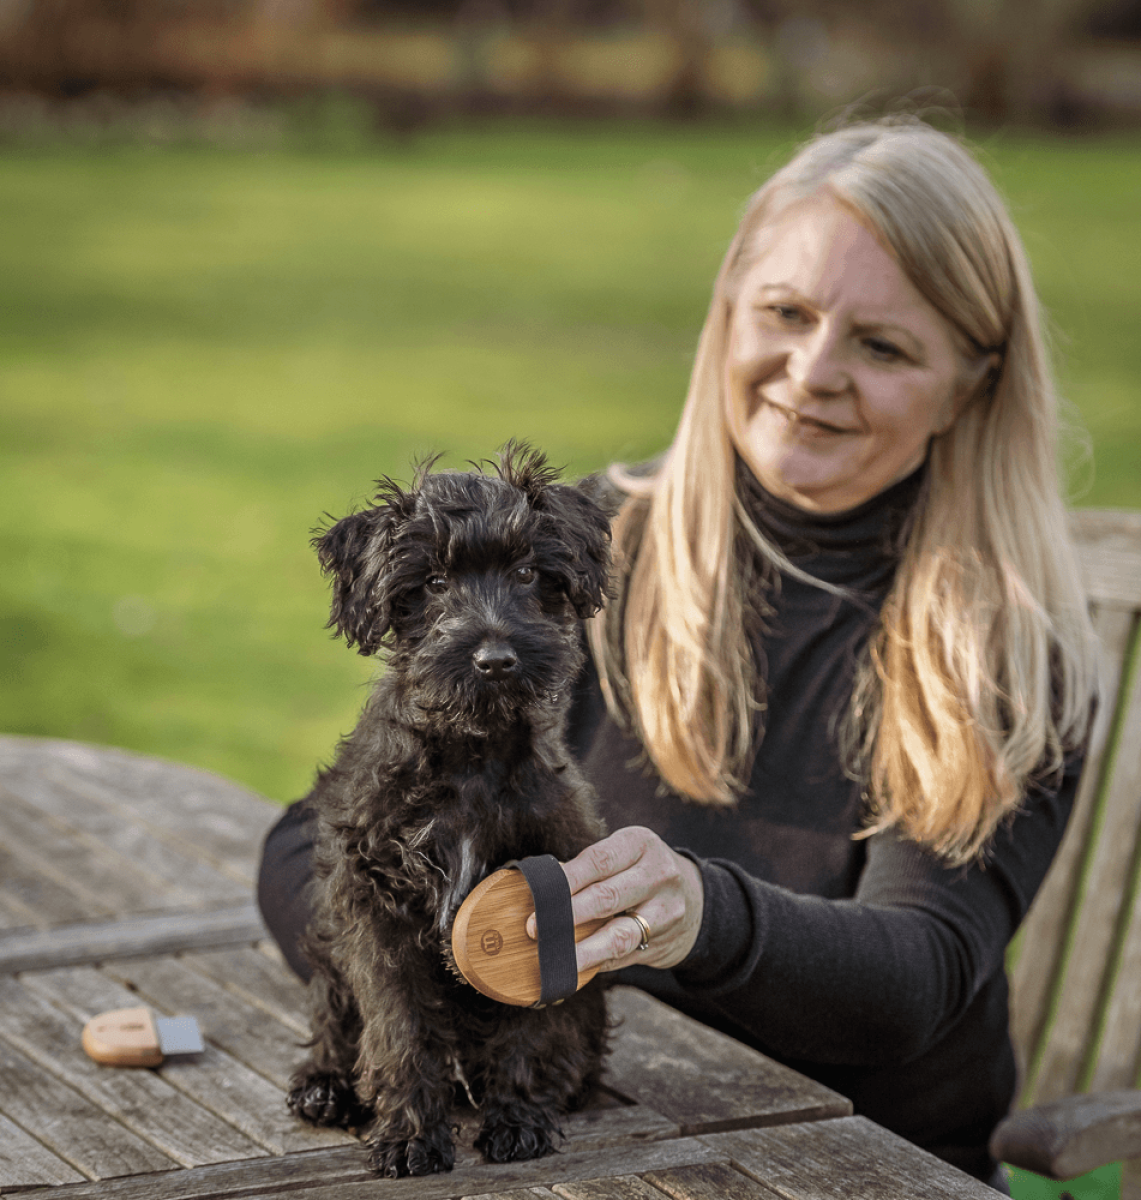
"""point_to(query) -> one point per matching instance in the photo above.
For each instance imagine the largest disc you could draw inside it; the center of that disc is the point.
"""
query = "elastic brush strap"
(554, 920)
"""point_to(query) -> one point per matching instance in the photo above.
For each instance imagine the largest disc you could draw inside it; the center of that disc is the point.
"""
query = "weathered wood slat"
(1109, 549)
(25, 1162)
(259, 976)
(1105, 887)
(1036, 974)
(836, 1160)
(100, 879)
(13, 914)
(32, 898)
(1131, 1179)
(202, 815)
(1073, 1135)
(619, 1187)
(224, 1179)
(140, 1100)
(479, 1178)
(252, 1037)
(536, 1193)
(1118, 1053)
(1076, 989)
(1119, 1050)
(225, 837)
(68, 1125)
(214, 1080)
(1111, 577)
(595, 1128)
(342, 1166)
(710, 1181)
(126, 937)
(1115, 528)
(100, 821)
(703, 1080)
(622, 1126)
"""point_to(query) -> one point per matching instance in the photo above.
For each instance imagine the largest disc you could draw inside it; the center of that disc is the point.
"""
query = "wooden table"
(127, 880)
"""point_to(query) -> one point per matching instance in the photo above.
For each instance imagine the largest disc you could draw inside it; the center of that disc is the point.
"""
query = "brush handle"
(491, 946)
(126, 1037)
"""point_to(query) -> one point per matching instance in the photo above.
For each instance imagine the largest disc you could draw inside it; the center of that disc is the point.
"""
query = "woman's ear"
(976, 380)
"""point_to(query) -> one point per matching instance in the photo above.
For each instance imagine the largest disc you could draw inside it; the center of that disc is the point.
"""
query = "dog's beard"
(451, 695)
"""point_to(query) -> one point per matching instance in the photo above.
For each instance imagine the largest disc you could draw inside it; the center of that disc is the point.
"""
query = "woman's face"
(838, 371)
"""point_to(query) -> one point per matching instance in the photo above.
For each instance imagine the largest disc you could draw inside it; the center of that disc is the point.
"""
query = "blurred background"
(257, 253)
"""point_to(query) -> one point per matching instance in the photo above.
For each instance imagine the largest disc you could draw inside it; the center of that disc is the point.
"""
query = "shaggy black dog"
(474, 584)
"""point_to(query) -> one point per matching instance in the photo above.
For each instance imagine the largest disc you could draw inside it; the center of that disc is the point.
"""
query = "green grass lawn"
(202, 352)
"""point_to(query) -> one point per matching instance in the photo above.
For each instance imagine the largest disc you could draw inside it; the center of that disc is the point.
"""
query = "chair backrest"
(1076, 975)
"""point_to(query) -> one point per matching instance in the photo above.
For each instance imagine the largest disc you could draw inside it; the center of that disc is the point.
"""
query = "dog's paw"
(327, 1100)
(429, 1154)
(515, 1132)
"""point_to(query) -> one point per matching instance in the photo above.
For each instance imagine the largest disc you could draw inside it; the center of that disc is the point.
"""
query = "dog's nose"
(495, 660)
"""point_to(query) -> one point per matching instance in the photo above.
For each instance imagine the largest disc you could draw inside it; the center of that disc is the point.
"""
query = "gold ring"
(644, 944)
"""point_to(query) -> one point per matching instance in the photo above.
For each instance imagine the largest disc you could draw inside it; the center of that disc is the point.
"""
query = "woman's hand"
(633, 869)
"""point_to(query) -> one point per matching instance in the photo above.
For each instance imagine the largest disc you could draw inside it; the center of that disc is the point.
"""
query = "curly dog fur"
(473, 584)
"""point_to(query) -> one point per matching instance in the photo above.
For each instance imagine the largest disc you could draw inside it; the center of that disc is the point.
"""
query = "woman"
(835, 712)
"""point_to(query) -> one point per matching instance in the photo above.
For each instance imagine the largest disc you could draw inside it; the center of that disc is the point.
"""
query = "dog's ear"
(355, 553)
(583, 527)
(579, 553)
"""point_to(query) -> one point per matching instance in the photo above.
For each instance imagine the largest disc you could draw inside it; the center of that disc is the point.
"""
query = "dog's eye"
(437, 584)
(524, 575)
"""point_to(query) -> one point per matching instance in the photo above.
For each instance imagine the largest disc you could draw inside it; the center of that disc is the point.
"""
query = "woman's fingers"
(633, 870)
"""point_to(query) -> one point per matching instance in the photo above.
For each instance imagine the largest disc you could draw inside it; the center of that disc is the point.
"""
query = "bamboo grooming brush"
(490, 942)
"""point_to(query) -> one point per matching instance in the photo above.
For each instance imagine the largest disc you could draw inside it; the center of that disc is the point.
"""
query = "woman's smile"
(801, 424)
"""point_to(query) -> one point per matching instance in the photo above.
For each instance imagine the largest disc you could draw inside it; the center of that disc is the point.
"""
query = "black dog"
(473, 583)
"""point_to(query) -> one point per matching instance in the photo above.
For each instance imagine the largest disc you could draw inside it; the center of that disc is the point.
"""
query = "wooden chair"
(1076, 976)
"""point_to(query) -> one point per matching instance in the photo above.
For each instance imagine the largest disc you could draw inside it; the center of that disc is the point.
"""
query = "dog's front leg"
(535, 1068)
(406, 1071)
(322, 1091)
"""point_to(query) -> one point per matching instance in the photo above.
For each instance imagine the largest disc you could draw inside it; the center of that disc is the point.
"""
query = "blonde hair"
(980, 673)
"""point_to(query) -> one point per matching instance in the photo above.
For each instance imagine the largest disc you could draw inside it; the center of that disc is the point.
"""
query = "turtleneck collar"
(858, 548)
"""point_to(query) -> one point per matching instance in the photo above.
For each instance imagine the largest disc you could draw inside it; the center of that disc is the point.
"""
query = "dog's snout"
(495, 660)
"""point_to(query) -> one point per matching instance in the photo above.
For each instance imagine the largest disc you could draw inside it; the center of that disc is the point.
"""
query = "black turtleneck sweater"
(869, 965)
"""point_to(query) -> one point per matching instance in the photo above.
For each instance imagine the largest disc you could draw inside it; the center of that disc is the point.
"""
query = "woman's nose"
(817, 363)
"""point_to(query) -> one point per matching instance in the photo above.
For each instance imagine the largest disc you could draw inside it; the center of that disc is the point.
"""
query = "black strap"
(554, 926)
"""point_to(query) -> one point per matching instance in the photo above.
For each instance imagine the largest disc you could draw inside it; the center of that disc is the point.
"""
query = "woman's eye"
(524, 575)
(787, 314)
(883, 350)
(437, 584)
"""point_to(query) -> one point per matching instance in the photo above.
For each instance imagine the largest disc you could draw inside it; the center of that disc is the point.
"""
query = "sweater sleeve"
(880, 977)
